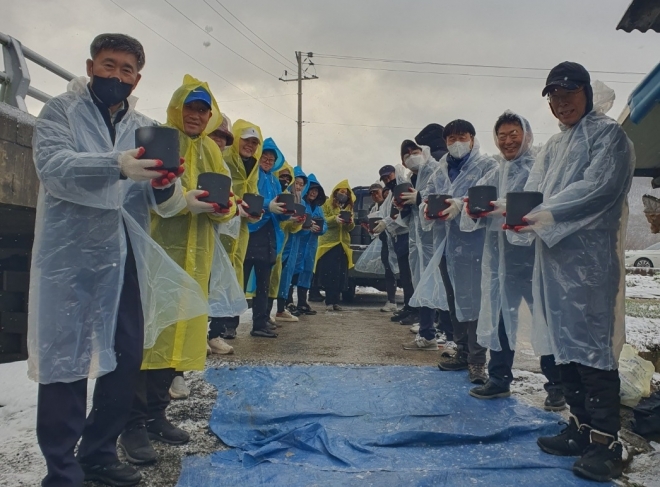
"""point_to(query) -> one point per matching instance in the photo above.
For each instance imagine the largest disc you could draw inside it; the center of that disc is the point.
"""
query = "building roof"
(642, 15)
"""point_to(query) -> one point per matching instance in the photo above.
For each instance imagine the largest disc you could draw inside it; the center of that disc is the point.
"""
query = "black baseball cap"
(567, 75)
(386, 171)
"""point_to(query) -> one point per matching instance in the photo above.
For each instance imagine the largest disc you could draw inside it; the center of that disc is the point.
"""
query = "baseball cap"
(567, 75)
(386, 171)
(198, 94)
(249, 132)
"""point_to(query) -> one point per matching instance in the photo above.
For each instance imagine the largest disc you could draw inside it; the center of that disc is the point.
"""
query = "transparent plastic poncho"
(584, 173)
(84, 212)
(506, 272)
(370, 261)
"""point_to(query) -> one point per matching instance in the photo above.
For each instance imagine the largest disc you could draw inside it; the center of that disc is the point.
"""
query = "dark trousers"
(444, 323)
(152, 396)
(332, 269)
(465, 333)
(61, 406)
(218, 326)
(405, 277)
(260, 312)
(593, 396)
(390, 279)
(500, 366)
(426, 323)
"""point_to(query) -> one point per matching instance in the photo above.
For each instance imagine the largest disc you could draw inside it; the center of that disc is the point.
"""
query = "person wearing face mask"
(242, 160)
(334, 256)
(584, 173)
(189, 239)
(88, 318)
(285, 177)
(397, 231)
(314, 198)
(461, 254)
(506, 276)
(420, 243)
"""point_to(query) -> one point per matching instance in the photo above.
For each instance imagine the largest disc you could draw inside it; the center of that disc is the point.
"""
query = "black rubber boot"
(489, 391)
(571, 442)
(135, 444)
(555, 401)
(160, 429)
(115, 474)
(603, 459)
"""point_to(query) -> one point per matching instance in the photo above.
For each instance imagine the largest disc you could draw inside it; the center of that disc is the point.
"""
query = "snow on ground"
(644, 287)
(643, 333)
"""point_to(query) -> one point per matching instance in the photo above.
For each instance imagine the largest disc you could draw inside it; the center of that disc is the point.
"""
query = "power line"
(255, 34)
(228, 101)
(403, 128)
(248, 38)
(200, 63)
(219, 41)
(403, 61)
(478, 75)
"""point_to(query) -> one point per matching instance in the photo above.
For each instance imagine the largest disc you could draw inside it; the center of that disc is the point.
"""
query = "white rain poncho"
(420, 243)
(584, 173)
(84, 212)
(395, 226)
(463, 250)
(506, 272)
(226, 296)
(370, 261)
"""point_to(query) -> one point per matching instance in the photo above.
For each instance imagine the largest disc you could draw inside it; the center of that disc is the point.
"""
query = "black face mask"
(341, 198)
(111, 91)
(284, 184)
(391, 184)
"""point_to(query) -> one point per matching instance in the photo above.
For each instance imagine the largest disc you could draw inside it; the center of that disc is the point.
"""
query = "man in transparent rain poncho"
(506, 272)
(101, 289)
(584, 173)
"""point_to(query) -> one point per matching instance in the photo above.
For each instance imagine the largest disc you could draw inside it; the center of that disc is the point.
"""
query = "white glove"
(315, 228)
(422, 209)
(409, 198)
(379, 228)
(195, 206)
(499, 208)
(340, 221)
(241, 210)
(452, 212)
(276, 208)
(137, 169)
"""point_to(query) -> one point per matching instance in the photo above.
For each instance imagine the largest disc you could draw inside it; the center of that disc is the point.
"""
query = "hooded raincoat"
(85, 212)
(584, 173)
(337, 234)
(506, 271)
(236, 245)
(189, 239)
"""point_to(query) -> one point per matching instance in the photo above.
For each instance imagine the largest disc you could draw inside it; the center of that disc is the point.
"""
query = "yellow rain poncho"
(241, 183)
(337, 234)
(188, 239)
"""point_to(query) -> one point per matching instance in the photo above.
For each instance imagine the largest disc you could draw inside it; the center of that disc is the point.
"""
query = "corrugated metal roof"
(642, 15)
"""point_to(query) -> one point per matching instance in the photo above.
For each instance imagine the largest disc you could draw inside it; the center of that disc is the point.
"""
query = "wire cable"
(200, 63)
(289, 66)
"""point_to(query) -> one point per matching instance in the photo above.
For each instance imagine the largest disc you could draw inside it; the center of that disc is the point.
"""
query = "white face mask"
(458, 150)
(414, 161)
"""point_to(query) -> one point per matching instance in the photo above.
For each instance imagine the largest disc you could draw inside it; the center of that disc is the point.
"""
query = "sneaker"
(449, 346)
(603, 459)
(389, 308)
(453, 362)
(489, 391)
(411, 319)
(306, 310)
(401, 314)
(272, 326)
(572, 441)
(477, 373)
(330, 308)
(160, 429)
(415, 329)
(116, 474)
(179, 389)
(555, 401)
(336, 307)
(421, 343)
(263, 333)
(219, 347)
(440, 337)
(135, 444)
(208, 349)
(315, 296)
(286, 317)
(228, 334)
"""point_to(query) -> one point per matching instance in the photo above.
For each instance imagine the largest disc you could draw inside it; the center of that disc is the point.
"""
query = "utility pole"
(300, 78)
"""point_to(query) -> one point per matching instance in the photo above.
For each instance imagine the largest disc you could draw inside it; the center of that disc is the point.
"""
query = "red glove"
(168, 178)
(482, 214)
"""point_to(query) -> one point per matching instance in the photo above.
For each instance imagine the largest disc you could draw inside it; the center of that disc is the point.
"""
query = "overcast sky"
(514, 33)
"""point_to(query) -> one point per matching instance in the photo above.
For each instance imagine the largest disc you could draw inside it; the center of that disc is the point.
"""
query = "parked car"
(649, 257)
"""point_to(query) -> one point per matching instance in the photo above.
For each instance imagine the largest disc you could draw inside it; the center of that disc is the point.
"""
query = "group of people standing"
(469, 279)
(136, 276)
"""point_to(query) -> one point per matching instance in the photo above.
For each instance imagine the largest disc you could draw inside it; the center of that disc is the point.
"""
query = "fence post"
(16, 89)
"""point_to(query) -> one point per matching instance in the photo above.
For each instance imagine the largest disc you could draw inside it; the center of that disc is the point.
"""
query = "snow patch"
(643, 333)
(642, 287)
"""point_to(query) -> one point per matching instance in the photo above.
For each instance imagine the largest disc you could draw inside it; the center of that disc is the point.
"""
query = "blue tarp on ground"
(382, 426)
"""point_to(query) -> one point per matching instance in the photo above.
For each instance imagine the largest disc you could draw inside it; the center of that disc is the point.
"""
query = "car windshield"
(655, 246)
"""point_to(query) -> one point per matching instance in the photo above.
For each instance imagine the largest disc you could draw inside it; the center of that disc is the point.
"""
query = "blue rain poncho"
(506, 272)
(463, 250)
(84, 212)
(584, 173)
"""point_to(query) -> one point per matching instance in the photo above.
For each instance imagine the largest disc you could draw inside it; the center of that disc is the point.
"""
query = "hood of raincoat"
(175, 108)
(312, 182)
(342, 185)
(241, 181)
(270, 144)
(431, 135)
(336, 234)
(528, 136)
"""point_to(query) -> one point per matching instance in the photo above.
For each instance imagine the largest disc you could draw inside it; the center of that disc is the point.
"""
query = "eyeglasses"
(267, 160)
(563, 96)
